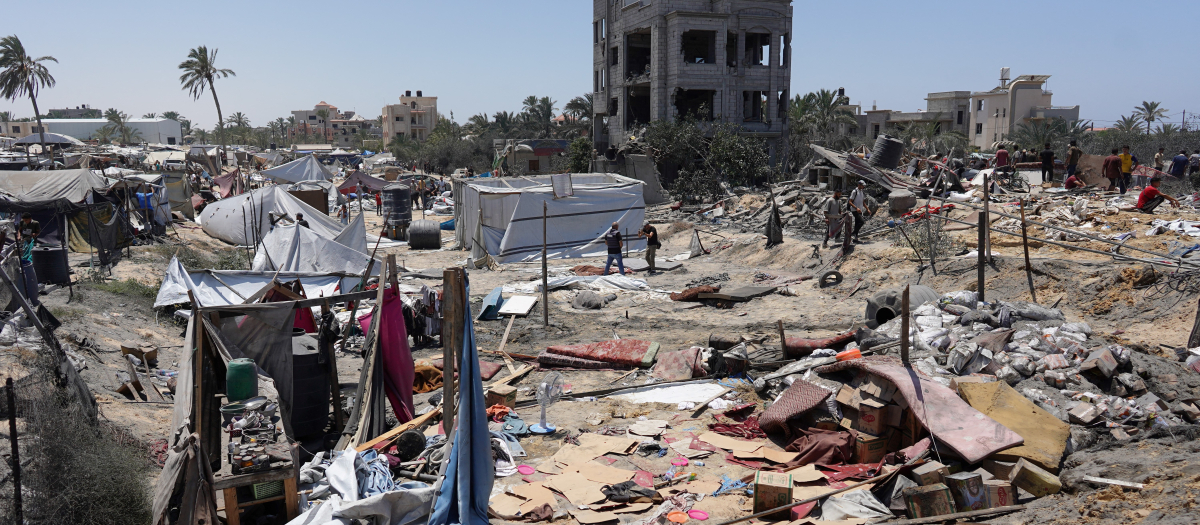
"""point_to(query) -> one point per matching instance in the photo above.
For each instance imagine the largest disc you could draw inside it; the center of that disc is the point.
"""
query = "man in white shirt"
(834, 217)
(858, 206)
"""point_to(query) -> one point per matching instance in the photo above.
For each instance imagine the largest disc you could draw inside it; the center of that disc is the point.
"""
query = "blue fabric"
(513, 424)
(1179, 165)
(514, 446)
(374, 476)
(463, 495)
(448, 225)
(490, 311)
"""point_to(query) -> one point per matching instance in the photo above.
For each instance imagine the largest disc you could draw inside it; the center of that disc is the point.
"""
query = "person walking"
(1112, 171)
(1001, 159)
(1047, 156)
(834, 217)
(858, 205)
(612, 239)
(378, 203)
(1194, 162)
(1128, 162)
(1073, 156)
(652, 244)
(1158, 159)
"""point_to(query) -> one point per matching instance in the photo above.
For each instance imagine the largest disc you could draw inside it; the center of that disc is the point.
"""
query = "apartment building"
(414, 117)
(996, 113)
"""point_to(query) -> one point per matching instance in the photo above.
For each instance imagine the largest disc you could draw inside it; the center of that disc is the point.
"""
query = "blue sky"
(486, 55)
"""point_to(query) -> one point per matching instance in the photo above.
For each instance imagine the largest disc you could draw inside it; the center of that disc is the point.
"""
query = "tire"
(830, 278)
(424, 235)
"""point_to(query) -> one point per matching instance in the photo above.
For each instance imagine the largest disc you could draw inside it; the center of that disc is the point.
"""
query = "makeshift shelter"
(52, 197)
(358, 179)
(508, 212)
(301, 169)
(179, 194)
(298, 249)
(268, 159)
(245, 219)
(230, 287)
(332, 197)
(51, 139)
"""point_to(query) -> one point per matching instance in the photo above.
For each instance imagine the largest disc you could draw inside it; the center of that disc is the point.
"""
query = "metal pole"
(545, 279)
(18, 512)
(987, 209)
(1025, 244)
(929, 239)
(904, 327)
(982, 259)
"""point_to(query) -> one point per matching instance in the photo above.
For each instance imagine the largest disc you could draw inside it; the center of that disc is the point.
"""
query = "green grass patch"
(131, 287)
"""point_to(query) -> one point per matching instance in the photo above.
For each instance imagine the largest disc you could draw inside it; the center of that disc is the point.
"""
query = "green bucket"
(241, 380)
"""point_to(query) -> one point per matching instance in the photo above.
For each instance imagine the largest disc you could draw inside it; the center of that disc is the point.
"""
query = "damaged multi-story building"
(723, 60)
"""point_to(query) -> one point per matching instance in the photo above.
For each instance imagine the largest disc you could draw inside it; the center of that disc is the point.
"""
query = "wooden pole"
(1025, 244)
(929, 239)
(904, 327)
(782, 338)
(453, 287)
(335, 389)
(545, 278)
(981, 259)
(18, 512)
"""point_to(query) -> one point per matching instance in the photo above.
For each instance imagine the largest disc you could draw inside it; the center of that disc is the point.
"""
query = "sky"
(486, 56)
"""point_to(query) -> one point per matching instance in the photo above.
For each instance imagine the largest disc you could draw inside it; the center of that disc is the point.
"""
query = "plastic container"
(849, 354)
(241, 380)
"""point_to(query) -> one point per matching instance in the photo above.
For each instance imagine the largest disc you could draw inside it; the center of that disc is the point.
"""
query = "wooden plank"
(303, 303)
(232, 512)
(400, 429)
(453, 305)
(508, 360)
(1116, 482)
(291, 498)
(283, 471)
(525, 369)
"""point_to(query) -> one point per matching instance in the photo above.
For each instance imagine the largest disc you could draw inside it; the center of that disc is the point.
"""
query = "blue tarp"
(462, 497)
(448, 225)
(490, 311)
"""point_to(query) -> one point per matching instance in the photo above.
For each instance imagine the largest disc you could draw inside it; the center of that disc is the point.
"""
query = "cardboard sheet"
(806, 474)
(614, 444)
(576, 488)
(506, 506)
(633, 507)
(588, 517)
(575, 455)
(602, 473)
(728, 443)
(776, 456)
(1045, 435)
(535, 494)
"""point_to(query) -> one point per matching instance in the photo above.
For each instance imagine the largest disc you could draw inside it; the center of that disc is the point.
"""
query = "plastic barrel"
(310, 388)
(887, 152)
(397, 204)
(50, 264)
(886, 305)
(425, 235)
(241, 380)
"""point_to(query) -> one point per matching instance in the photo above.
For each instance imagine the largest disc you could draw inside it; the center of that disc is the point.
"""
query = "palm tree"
(239, 120)
(1167, 129)
(22, 75)
(150, 115)
(201, 135)
(1128, 124)
(820, 113)
(539, 112)
(505, 122)
(199, 72)
(171, 115)
(104, 135)
(129, 135)
(579, 107)
(323, 114)
(478, 124)
(1149, 112)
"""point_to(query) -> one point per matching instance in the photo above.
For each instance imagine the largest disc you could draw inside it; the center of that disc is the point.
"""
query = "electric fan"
(548, 392)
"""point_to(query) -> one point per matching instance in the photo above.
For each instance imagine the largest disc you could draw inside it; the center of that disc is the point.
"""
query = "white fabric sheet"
(245, 219)
(304, 168)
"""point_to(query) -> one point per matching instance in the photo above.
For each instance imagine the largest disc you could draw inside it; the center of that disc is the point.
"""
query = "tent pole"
(545, 287)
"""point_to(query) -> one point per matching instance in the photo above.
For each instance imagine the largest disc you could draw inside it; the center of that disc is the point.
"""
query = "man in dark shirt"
(1179, 164)
(1151, 197)
(1047, 156)
(652, 244)
(300, 220)
(612, 239)
(27, 234)
(1112, 171)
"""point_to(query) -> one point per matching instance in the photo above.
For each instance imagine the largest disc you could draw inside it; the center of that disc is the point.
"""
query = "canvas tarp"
(72, 186)
(355, 235)
(179, 194)
(98, 229)
(245, 219)
(512, 215)
(267, 160)
(301, 169)
(334, 198)
(359, 179)
(227, 287)
(230, 183)
(298, 249)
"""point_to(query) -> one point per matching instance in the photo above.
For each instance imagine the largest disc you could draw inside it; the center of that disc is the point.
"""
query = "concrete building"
(308, 122)
(153, 130)
(660, 59)
(414, 117)
(82, 111)
(995, 114)
(950, 110)
(18, 129)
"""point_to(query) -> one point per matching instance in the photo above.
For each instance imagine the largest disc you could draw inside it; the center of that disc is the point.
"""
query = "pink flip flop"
(698, 514)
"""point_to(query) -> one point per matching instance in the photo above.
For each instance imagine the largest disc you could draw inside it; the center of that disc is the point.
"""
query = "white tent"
(354, 236)
(507, 214)
(331, 191)
(245, 219)
(221, 288)
(298, 249)
(301, 169)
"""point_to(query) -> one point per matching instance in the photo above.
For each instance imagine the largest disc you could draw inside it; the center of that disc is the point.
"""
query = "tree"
(824, 113)
(150, 115)
(404, 149)
(1149, 112)
(5, 116)
(22, 75)
(199, 72)
(580, 155)
(238, 119)
(201, 135)
(323, 114)
(539, 113)
(1168, 129)
(104, 135)
(1128, 124)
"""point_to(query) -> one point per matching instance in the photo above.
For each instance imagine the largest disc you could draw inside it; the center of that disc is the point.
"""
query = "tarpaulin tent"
(230, 183)
(301, 169)
(298, 249)
(38, 187)
(508, 211)
(355, 235)
(227, 287)
(267, 159)
(245, 219)
(179, 194)
(359, 179)
(333, 197)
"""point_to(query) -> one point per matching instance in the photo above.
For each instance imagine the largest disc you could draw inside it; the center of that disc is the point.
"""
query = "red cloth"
(1149, 193)
(827, 447)
(398, 367)
(1112, 167)
(799, 398)
(1072, 183)
(747, 430)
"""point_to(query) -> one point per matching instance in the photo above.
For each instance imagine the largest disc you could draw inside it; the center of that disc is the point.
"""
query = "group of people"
(614, 243)
(835, 215)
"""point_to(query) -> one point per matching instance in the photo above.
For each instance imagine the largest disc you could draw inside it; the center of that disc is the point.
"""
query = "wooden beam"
(508, 360)
(302, 303)
(392, 434)
(453, 304)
